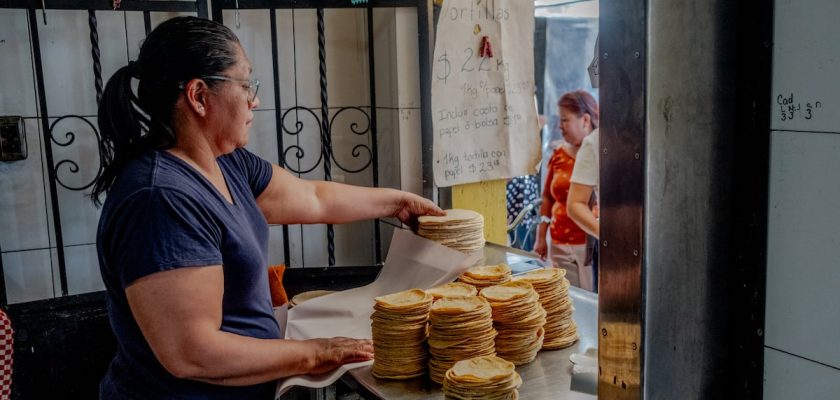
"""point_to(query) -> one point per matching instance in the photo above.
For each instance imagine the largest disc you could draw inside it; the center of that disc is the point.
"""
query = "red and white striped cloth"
(6, 350)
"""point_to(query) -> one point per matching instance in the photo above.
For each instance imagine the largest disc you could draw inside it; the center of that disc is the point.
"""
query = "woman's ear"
(587, 121)
(195, 92)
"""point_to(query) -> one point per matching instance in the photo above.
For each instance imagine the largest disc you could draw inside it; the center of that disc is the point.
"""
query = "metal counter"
(547, 377)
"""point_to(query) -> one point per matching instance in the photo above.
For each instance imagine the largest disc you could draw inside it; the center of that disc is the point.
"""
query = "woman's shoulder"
(243, 161)
(151, 174)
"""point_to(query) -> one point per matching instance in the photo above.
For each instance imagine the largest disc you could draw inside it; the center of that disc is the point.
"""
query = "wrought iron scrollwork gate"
(60, 132)
(325, 121)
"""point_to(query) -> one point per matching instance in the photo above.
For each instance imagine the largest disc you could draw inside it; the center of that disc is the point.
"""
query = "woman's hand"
(541, 248)
(412, 206)
(334, 352)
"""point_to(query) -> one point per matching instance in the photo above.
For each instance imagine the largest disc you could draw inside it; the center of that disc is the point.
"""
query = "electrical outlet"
(12, 138)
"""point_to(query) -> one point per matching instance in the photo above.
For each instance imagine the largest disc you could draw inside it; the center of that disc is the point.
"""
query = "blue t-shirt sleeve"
(162, 229)
(257, 170)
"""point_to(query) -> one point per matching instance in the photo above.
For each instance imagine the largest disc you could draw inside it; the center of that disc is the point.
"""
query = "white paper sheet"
(413, 262)
(484, 117)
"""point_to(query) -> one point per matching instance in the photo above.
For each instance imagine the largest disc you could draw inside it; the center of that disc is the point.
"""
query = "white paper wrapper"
(413, 262)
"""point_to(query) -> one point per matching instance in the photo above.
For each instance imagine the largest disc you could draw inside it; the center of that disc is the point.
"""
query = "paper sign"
(483, 111)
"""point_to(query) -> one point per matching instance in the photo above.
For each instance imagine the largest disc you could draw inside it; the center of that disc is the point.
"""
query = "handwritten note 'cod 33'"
(483, 111)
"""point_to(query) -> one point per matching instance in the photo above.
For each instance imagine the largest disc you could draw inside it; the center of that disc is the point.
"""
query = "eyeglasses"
(253, 85)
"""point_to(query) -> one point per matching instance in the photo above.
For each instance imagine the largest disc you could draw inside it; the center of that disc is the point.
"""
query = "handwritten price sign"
(484, 116)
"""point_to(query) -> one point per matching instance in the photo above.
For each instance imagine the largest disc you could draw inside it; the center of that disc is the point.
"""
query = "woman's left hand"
(412, 206)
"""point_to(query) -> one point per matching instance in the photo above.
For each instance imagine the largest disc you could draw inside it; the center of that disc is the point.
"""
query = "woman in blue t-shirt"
(183, 235)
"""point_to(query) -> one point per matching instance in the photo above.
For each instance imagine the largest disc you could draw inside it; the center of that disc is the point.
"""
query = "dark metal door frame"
(681, 301)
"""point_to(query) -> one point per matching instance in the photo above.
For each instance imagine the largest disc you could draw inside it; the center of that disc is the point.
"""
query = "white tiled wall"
(802, 356)
(790, 377)
(17, 96)
(66, 56)
(29, 275)
(27, 241)
(82, 269)
(22, 200)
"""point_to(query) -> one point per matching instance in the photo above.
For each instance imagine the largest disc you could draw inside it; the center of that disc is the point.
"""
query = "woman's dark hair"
(178, 50)
(580, 102)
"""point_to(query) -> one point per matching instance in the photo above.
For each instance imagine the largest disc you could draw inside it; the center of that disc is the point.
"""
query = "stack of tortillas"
(461, 230)
(553, 288)
(486, 377)
(486, 275)
(459, 328)
(453, 289)
(399, 333)
(518, 318)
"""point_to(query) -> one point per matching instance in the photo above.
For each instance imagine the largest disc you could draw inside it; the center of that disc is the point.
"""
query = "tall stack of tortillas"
(486, 275)
(459, 328)
(518, 318)
(553, 288)
(486, 377)
(462, 230)
(398, 329)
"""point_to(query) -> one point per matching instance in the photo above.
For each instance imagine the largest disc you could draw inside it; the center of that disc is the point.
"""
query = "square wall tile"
(28, 275)
(345, 36)
(254, 35)
(23, 201)
(275, 245)
(386, 233)
(135, 33)
(388, 137)
(83, 274)
(304, 37)
(805, 60)
(295, 246)
(803, 245)
(312, 245)
(287, 50)
(789, 377)
(408, 58)
(17, 80)
(68, 63)
(262, 140)
(411, 154)
(348, 78)
(135, 27)
(385, 57)
(354, 244)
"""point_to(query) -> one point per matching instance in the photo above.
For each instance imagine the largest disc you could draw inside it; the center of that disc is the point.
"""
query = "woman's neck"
(570, 149)
(196, 150)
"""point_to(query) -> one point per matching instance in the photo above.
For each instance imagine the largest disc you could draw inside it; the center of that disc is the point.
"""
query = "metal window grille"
(57, 135)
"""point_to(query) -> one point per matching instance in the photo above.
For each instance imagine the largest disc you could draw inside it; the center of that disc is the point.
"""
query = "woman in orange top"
(578, 118)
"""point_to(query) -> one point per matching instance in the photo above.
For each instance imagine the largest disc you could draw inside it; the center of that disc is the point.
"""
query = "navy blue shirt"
(162, 214)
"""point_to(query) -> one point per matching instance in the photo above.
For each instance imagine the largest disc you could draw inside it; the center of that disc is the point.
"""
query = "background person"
(183, 234)
(578, 118)
(583, 188)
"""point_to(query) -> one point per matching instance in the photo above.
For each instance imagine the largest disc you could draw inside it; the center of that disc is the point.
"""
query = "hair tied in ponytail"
(134, 69)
